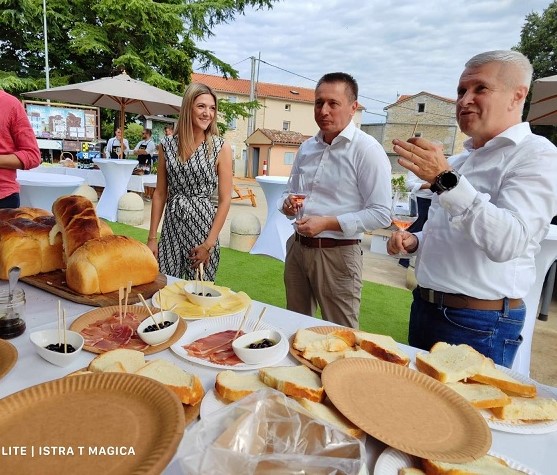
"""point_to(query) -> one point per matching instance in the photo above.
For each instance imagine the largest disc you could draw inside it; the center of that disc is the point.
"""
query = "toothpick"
(64, 324)
(243, 321)
(160, 301)
(129, 289)
(148, 309)
(415, 127)
(260, 318)
(59, 322)
(120, 298)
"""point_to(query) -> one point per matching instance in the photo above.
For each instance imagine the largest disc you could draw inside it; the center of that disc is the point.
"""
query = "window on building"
(286, 125)
(287, 107)
(232, 124)
(421, 106)
(288, 158)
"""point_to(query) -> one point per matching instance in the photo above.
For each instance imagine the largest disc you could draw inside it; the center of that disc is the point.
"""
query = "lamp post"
(46, 67)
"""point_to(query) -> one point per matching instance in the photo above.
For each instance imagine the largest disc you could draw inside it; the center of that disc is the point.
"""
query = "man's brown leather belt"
(324, 242)
(463, 301)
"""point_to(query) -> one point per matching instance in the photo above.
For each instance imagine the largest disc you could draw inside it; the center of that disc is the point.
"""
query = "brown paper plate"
(407, 410)
(298, 354)
(8, 357)
(83, 321)
(112, 423)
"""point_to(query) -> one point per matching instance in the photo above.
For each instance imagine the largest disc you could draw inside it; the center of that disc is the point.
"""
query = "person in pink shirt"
(18, 148)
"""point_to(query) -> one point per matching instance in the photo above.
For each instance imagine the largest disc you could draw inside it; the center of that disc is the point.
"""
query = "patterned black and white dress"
(189, 212)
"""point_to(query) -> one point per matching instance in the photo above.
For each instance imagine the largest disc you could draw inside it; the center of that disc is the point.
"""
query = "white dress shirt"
(413, 184)
(481, 237)
(150, 146)
(349, 179)
(114, 142)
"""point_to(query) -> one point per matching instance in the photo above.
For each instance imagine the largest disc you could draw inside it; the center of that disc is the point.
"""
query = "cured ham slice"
(216, 348)
(113, 333)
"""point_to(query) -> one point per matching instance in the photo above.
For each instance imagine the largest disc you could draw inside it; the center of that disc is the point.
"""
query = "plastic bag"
(269, 433)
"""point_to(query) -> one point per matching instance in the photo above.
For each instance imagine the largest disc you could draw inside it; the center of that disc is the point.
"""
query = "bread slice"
(233, 386)
(337, 340)
(131, 360)
(410, 471)
(527, 409)
(296, 381)
(330, 414)
(486, 465)
(305, 337)
(321, 358)
(481, 395)
(116, 367)
(359, 353)
(185, 385)
(490, 374)
(450, 363)
(383, 347)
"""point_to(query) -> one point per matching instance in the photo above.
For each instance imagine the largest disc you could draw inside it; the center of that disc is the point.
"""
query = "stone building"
(421, 115)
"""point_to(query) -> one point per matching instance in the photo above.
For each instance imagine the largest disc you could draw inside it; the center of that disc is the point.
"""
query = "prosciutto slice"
(216, 348)
(113, 333)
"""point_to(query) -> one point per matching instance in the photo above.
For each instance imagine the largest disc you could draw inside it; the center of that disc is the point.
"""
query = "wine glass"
(404, 212)
(298, 192)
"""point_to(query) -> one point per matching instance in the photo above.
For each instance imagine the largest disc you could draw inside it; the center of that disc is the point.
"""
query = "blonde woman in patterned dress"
(192, 163)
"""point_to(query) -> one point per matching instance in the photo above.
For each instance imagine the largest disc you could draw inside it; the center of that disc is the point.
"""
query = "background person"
(145, 149)
(169, 129)
(18, 148)
(114, 147)
(348, 181)
(495, 201)
(190, 164)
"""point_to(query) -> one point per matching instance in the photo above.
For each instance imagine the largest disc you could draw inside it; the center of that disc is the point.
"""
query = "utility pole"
(46, 67)
(251, 118)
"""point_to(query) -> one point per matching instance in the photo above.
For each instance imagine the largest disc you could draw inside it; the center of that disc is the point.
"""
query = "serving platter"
(407, 409)
(135, 419)
(8, 357)
(206, 327)
(84, 320)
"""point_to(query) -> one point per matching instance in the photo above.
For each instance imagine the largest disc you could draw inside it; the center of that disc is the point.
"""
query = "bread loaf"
(50, 255)
(17, 248)
(105, 264)
(28, 213)
(76, 217)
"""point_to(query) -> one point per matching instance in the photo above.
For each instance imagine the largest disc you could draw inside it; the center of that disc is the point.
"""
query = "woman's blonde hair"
(184, 128)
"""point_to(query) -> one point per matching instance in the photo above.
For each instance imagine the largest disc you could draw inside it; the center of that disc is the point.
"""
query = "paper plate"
(206, 327)
(520, 427)
(211, 402)
(113, 423)
(8, 357)
(391, 461)
(407, 409)
(87, 318)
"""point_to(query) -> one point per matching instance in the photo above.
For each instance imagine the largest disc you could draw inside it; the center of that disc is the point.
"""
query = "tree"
(538, 42)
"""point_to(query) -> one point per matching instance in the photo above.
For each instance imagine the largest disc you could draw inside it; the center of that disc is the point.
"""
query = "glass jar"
(12, 313)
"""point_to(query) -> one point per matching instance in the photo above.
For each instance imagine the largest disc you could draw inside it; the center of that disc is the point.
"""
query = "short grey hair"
(509, 58)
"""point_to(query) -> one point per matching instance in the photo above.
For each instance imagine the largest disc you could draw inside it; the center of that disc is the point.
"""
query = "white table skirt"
(534, 451)
(38, 190)
(136, 183)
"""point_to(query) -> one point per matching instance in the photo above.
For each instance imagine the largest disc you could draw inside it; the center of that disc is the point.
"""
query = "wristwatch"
(445, 181)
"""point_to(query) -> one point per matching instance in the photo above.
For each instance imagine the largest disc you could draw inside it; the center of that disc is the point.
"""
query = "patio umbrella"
(119, 92)
(543, 106)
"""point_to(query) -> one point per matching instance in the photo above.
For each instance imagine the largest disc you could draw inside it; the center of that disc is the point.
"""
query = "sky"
(391, 47)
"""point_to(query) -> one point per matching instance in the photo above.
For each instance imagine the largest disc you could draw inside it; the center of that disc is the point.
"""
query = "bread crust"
(18, 248)
(291, 389)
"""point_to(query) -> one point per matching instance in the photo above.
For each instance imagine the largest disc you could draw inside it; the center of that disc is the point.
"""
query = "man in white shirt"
(116, 147)
(145, 149)
(347, 179)
(492, 208)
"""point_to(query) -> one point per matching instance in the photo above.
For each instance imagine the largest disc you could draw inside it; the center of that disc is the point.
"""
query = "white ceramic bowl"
(41, 339)
(192, 289)
(258, 355)
(157, 337)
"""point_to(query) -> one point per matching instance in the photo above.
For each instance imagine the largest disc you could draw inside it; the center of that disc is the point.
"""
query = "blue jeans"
(494, 333)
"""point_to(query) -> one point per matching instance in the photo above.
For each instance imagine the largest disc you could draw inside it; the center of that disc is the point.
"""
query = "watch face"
(449, 180)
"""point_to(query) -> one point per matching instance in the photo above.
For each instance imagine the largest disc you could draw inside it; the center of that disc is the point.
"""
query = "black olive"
(59, 348)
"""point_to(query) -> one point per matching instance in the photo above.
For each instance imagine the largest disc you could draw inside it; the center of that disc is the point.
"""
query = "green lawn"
(383, 310)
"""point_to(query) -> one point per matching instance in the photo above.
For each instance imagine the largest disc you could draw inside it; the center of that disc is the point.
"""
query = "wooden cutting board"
(55, 283)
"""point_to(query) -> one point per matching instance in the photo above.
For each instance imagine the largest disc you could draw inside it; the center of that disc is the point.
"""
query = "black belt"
(464, 301)
(324, 242)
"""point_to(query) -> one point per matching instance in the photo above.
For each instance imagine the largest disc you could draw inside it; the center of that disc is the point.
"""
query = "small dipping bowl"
(258, 355)
(41, 339)
(156, 337)
(192, 289)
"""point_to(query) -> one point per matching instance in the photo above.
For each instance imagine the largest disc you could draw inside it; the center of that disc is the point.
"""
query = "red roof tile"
(284, 137)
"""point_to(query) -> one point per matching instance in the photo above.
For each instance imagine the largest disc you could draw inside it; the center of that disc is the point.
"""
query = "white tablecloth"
(93, 177)
(40, 191)
(278, 228)
(534, 451)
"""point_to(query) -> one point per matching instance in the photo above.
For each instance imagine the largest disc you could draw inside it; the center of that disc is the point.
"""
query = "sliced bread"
(410, 471)
(321, 358)
(359, 353)
(450, 363)
(527, 409)
(233, 386)
(131, 360)
(486, 465)
(186, 386)
(116, 367)
(296, 381)
(383, 347)
(481, 395)
(330, 414)
(305, 337)
(490, 374)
